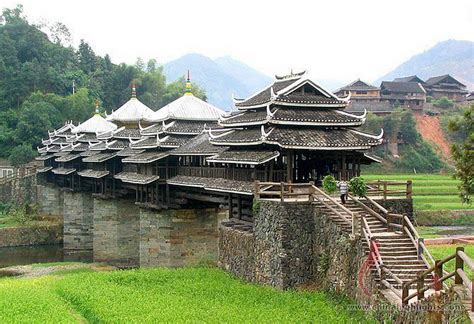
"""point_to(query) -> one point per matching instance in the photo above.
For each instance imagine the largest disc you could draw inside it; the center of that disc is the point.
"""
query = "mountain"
(220, 78)
(452, 56)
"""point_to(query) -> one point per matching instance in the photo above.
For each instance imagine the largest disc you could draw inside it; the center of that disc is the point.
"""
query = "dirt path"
(430, 129)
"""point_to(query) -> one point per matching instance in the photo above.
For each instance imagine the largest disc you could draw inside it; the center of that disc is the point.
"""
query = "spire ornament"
(188, 86)
(134, 91)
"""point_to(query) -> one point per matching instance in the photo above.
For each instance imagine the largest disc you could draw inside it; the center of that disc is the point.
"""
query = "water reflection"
(21, 255)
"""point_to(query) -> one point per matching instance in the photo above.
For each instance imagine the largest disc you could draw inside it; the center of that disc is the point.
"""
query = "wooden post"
(403, 224)
(420, 283)
(389, 218)
(419, 249)
(257, 189)
(385, 190)
(409, 189)
(231, 212)
(289, 166)
(239, 206)
(438, 275)
(405, 292)
(344, 175)
(459, 265)
(282, 188)
(311, 191)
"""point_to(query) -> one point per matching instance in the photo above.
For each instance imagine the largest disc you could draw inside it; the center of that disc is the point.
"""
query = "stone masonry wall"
(175, 238)
(116, 232)
(50, 201)
(399, 206)
(236, 252)
(78, 220)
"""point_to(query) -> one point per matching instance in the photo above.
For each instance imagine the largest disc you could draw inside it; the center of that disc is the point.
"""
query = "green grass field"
(430, 191)
(162, 295)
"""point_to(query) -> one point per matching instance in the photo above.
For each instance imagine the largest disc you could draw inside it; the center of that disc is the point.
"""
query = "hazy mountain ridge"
(448, 57)
(220, 78)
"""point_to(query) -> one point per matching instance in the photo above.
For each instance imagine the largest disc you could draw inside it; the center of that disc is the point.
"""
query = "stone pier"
(78, 221)
(50, 201)
(116, 232)
(175, 238)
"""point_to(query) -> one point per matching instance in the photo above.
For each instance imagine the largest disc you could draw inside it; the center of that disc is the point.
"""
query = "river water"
(21, 255)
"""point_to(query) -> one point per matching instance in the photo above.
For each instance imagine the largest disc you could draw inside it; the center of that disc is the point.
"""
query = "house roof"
(187, 107)
(357, 85)
(393, 86)
(136, 178)
(411, 78)
(214, 184)
(145, 157)
(89, 173)
(445, 77)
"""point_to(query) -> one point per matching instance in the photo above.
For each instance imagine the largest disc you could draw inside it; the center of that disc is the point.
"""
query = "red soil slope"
(430, 129)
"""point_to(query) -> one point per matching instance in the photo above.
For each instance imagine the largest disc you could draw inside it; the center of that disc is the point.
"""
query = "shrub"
(329, 184)
(358, 187)
(443, 102)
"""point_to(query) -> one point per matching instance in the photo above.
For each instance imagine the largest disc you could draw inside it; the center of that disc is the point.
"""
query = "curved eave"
(315, 123)
(216, 160)
(298, 104)
(236, 143)
(259, 122)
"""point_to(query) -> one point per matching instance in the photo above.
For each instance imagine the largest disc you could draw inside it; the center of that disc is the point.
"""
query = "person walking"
(343, 188)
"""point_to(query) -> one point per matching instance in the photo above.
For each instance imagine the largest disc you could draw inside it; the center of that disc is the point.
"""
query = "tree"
(408, 128)
(443, 102)
(463, 154)
(87, 59)
(21, 155)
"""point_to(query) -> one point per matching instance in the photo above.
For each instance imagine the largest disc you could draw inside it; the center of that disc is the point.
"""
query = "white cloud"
(333, 39)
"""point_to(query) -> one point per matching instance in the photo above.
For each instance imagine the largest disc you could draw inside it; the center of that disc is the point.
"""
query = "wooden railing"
(384, 188)
(440, 276)
(230, 173)
(28, 172)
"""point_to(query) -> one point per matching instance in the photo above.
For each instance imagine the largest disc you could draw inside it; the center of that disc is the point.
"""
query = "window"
(6, 172)
(361, 92)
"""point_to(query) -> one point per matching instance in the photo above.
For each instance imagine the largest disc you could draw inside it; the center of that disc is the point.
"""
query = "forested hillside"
(44, 82)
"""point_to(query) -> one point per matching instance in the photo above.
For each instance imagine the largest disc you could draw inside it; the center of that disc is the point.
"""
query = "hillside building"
(446, 86)
(405, 94)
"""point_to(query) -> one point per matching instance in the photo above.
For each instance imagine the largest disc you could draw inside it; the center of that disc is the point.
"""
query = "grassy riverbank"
(161, 295)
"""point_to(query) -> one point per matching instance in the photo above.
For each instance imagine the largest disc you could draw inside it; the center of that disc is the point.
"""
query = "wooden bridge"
(404, 268)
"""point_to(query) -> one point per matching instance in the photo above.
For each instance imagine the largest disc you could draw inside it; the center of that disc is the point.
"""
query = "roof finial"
(134, 91)
(188, 86)
(97, 106)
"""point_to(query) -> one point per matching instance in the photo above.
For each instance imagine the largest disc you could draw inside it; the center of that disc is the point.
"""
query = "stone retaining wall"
(34, 235)
(175, 238)
(50, 201)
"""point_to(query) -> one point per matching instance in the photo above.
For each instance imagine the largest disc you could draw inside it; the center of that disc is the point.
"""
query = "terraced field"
(430, 191)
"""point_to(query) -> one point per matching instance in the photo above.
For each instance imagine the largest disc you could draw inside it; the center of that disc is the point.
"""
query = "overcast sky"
(333, 39)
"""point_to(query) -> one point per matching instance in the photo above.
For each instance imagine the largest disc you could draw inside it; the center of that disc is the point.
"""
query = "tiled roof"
(44, 157)
(88, 153)
(245, 117)
(128, 151)
(401, 87)
(133, 133)
(150, 142)
(437, 79)
(145, 157)
(320, 139)
(199, 145)
(252, 135)
(308, 98)
(244, 156)
(314, 115)
(173, 141)
(95, 124)
(86, 137)
(358, 85)
(189, 127)
(214, 184)
(44, 169)
(89, 173)
(98, 158)
(67, 157)
(265, 95)
(118, 144)
(77, 147)
(63, 171)
(98, 146)
(411, 78)
(152, 129)
(132, 111)
(137, 178)
(187, 107)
